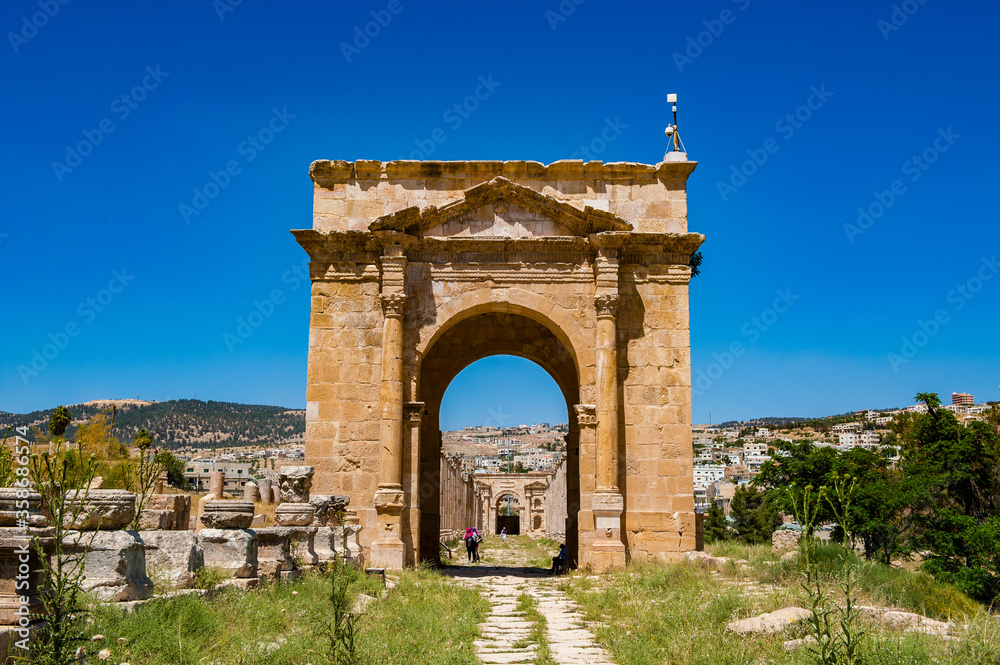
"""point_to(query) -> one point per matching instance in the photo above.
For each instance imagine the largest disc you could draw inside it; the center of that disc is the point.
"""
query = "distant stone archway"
(420, 268)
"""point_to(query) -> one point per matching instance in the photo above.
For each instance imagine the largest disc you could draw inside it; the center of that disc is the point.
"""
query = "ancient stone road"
(506, 634)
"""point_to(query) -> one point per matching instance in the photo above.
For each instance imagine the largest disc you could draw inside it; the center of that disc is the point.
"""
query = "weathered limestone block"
(785, 540)
(102, 509)
(232, 550)
(352, 525)
(227, 514)
(251, 491)
(295, 482)
(174, 556)
(178, 504)
(327, 507)
(216, 488)
(264, 485)
(114, 564)
(772, 622)
(274, 551)
(294, 514)
(301, 542)
(325, 544)
(9, 498)
(156, 520)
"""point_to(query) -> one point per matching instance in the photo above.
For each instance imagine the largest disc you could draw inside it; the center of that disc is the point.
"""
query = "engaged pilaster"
(387, 549)
(608, 504)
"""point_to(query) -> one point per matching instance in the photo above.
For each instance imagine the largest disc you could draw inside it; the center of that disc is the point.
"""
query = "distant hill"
(795, 421)
(184, 422)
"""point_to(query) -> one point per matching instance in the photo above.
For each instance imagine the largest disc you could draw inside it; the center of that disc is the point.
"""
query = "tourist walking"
(470, 544)
(503, 534)
(476, 539)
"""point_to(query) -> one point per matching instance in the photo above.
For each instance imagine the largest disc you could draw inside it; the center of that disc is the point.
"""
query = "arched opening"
(475, 338)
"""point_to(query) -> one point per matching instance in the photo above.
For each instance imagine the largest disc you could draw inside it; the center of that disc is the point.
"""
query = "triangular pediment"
(500, 207)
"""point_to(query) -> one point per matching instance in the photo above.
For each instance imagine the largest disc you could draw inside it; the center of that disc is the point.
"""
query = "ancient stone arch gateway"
(421, 268)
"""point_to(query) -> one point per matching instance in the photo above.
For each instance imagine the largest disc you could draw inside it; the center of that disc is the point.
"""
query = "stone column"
(387, 549)
(608, 503)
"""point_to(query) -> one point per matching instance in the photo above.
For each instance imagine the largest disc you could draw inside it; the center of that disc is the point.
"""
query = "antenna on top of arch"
(676, 152)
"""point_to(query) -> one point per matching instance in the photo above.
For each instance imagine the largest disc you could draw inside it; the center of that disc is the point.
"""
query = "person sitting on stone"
(559, 560)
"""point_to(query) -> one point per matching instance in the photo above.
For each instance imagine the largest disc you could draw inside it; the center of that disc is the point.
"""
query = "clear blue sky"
(206, 84)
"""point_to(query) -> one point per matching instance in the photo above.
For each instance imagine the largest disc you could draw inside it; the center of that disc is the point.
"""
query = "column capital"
(413, 412)
(586, 415)
(607, 305)
(393, 304)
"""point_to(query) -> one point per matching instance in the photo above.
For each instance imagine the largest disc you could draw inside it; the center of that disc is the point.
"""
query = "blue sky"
(199, 78)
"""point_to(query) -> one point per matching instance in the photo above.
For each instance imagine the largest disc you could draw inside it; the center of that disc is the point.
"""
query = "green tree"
(716, 528)
(59, 421)
(754, 518)
(957, 517)
(174, 468)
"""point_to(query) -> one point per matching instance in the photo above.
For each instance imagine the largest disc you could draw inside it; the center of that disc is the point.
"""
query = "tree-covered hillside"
(186, 422)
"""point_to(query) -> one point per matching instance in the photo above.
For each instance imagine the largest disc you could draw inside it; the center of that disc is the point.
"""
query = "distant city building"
(709, 473)
(198, 472)
(962, 399)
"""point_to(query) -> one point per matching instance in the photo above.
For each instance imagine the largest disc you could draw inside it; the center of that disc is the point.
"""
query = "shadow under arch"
(490, 329)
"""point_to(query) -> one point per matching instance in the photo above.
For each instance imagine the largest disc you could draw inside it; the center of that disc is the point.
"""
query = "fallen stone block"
(99, 509)
(174, 556)
(231, 550)
(274, 552)
(114, 564)
(223, 514)
(772, 622)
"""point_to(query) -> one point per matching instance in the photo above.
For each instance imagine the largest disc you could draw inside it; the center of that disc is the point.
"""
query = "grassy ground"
(425, 619)
(656, 613)
(517, 551)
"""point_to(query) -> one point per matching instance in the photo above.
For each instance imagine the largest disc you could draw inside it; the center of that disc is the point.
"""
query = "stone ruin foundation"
(122, 565)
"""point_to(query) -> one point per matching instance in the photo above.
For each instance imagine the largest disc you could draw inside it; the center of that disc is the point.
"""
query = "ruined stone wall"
(555, 501)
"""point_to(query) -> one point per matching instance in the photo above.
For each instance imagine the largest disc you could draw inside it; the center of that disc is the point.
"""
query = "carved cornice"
(606, 305)
(325, 172)
(393, 304)
(499, 189)
(357, 255)
(586, 415)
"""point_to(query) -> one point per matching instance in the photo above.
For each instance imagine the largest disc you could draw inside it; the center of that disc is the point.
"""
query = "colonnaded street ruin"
(422, 268)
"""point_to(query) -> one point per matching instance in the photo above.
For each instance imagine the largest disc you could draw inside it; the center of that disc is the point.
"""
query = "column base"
(388, 550)
(608, 550)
